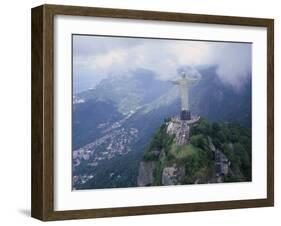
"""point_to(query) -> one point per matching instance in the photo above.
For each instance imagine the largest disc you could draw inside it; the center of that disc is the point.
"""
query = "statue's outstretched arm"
(193, 80)
(175, 82)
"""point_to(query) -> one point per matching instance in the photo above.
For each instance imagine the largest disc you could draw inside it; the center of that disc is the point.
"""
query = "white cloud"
(234, 63)
(118, 55)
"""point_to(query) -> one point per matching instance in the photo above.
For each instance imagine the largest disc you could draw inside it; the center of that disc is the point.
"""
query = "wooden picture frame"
(42, 204)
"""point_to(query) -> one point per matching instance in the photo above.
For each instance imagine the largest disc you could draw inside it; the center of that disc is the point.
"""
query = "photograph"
(137, 112)
(160, 112)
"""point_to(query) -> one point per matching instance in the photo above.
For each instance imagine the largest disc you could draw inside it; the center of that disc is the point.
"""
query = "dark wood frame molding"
(42, 203)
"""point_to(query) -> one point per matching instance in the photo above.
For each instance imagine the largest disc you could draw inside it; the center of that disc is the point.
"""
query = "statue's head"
(183, 75)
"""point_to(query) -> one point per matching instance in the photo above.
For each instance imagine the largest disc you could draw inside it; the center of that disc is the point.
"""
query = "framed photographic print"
(141, 112)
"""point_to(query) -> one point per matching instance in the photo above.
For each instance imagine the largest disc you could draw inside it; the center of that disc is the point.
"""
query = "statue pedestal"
(181, 128)
(185, 115)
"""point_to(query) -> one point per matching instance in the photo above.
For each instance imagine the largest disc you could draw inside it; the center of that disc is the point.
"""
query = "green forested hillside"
(197, 159)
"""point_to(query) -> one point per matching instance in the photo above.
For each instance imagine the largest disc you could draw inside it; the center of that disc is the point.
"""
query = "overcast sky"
(101, 56)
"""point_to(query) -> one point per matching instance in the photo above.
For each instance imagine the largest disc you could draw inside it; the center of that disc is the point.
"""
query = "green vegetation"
(196, 157)
(181, 153)
(160, 140)
(234, 141)
(157, 174)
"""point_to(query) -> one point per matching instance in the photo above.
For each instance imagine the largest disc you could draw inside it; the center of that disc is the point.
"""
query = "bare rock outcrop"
(145, 176)
(173, 175)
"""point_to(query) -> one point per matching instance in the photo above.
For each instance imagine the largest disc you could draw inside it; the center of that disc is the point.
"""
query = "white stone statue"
(184, 84)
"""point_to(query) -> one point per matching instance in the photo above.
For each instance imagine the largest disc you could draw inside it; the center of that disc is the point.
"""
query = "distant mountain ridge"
(142, 91)
(220, 102)
(128, 91)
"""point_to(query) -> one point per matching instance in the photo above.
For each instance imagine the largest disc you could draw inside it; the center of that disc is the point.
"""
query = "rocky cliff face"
(173, 175)
(196, 153)
(145, 176)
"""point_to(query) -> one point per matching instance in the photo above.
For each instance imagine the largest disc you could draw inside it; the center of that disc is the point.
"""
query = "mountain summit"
(213, 153)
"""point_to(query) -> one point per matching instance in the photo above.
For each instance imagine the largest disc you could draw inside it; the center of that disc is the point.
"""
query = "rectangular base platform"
(185, 115)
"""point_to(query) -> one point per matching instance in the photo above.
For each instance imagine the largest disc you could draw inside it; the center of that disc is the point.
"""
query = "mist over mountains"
(125, 111)
(97, 57)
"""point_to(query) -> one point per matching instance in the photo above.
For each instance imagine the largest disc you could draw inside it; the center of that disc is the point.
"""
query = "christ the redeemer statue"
(184, 84)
